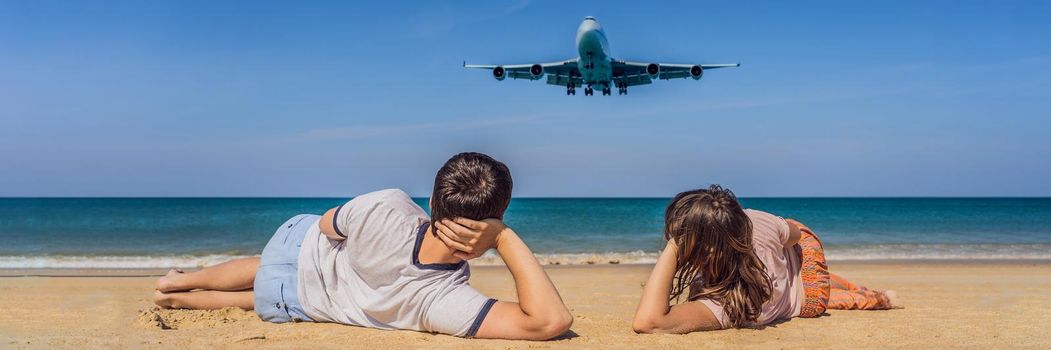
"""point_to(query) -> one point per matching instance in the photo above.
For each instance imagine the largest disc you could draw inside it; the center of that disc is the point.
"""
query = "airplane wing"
(557, 73)
(641, 73)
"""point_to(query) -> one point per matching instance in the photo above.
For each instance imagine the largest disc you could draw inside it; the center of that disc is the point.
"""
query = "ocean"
(189, 232)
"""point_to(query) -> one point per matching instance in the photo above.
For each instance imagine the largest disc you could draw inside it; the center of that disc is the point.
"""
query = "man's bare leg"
(233, 275)
(205, 300)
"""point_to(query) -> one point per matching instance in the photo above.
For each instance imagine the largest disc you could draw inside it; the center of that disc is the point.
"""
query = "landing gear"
(607, 91)
(571, 89)
(588, 91)
(622, 89)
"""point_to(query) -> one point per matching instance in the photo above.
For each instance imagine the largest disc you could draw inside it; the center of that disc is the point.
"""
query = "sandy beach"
(948, 305)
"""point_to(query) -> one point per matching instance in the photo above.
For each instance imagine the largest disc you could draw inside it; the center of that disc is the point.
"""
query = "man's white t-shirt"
(374, 277)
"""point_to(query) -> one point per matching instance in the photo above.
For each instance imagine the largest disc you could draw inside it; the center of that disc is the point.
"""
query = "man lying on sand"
(743, 268)
(377, 261)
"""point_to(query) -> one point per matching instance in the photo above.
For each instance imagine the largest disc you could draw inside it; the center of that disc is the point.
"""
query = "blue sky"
(202, 98)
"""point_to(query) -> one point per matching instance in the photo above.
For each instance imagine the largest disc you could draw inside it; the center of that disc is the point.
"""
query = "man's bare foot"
(162, 299)
(167, 283)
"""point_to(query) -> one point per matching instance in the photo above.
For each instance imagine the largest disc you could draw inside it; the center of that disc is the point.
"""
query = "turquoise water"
(161, 232)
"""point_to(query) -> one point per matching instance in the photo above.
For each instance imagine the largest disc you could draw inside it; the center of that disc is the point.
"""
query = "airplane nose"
(588, 31)
(589, 24)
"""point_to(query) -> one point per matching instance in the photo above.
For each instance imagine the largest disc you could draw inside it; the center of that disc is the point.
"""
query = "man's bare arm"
(327, 225)
(539, 313)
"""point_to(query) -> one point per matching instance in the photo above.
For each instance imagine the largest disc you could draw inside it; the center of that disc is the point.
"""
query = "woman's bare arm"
(794, 232)
(656, 315)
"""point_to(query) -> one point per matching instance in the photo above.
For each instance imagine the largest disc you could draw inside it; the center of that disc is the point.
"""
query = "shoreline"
(156, 272)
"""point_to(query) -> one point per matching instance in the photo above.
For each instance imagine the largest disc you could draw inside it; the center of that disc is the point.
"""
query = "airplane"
(595, 68)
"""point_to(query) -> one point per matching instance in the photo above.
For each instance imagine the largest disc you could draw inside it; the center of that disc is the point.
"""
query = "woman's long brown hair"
(716, 259)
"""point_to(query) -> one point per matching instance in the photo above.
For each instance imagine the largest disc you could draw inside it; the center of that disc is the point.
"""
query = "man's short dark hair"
(471, 185)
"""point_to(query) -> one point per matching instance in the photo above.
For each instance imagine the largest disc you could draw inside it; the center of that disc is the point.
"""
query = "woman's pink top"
(769, 235)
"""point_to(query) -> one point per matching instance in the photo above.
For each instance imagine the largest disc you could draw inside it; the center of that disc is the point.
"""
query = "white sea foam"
(940, 252)
(111, 262)
(636, 257)
(901, 252)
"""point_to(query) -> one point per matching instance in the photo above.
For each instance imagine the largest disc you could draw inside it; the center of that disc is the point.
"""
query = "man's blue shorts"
(276, 296)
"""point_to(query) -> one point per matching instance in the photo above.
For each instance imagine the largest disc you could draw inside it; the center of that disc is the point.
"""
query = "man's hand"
(471, 238)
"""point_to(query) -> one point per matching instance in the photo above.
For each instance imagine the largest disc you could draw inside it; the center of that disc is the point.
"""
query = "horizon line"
(527, 197)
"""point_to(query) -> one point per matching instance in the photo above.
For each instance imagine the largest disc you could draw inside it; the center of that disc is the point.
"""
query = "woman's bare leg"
(839, 282)
(237, 274)
(846, 295)
(205, 300)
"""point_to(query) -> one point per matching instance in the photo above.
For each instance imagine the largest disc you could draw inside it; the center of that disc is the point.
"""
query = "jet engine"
(653, 69)
(696, 72)
(499, 73)
(536, 70)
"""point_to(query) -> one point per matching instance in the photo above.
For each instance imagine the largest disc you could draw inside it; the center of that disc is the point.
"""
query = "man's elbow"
(555, 326)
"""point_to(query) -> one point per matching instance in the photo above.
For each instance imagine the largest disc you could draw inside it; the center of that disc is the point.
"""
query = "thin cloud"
(445, 19)
(386, 131)
(927, 78)
(521, 5)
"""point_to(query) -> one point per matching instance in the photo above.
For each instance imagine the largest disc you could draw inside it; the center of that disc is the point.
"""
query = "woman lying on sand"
(743, 268)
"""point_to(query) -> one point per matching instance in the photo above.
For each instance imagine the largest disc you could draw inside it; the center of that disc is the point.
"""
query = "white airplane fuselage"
(594, 63)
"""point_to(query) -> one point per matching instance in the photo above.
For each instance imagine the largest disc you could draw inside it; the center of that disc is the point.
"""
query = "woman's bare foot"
(167, 283)
(893, 301)
(888, 300)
